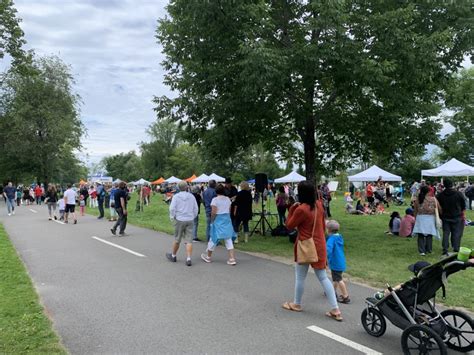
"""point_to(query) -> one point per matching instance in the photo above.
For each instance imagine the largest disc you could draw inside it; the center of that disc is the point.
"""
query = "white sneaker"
(9, 214)
(205, 258)
(13, 212)
(231, 262)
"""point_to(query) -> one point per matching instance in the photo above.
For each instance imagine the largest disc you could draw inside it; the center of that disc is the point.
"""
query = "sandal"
(337, 317)
(345, 300)
(291, 307)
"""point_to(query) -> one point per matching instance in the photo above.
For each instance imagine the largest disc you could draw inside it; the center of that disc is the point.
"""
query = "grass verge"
(372, 256)
(24, 327)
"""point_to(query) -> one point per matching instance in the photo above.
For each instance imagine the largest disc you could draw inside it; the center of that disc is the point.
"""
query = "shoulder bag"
(306, 252)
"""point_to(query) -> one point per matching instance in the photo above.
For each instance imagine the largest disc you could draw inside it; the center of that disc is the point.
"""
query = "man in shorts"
(183, 211)
(70, 200)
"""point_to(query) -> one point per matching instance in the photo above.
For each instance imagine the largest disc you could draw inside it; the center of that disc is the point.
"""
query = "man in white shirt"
(183, 211)
(70, 200)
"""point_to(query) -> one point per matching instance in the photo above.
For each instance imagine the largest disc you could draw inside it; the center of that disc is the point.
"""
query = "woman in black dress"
(242, 210)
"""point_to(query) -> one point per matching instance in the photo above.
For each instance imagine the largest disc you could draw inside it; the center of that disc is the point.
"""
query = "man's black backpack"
(469, 192)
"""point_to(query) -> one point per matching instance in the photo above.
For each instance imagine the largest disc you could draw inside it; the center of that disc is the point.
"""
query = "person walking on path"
(221, 226)
(425, 220)
(197, 196)
(113, 212)
(38, 194)
(70, 200)
(207, 197)
(100, 199)
(453, 206)
(9, 193)
(307, 216)
(120, 201)
(52, 200)
(337, 260)
(243, 210)
(183, 211)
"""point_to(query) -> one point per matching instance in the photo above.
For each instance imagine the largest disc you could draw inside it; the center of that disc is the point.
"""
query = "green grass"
(24, 327)
(372, 256)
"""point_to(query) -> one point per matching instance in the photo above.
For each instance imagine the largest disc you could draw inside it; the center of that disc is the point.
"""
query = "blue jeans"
(208, 228)
(10, 205)
(300, 275)
(195, 227)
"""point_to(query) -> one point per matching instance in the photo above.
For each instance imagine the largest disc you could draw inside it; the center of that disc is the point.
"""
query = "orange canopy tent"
(158, 181)
(190, 179)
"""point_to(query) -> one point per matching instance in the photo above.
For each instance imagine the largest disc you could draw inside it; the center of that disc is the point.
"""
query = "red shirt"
(406, 225)
(38, 191)
(369, 191)
(301, 217)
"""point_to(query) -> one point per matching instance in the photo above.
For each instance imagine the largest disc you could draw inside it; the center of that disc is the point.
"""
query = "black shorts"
(336, 276)
(70, 208)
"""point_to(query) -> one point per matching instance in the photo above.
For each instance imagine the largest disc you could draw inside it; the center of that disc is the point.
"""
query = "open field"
(24, 327)
(373, 256)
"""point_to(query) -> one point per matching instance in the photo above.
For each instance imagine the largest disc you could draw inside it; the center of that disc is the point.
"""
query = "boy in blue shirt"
(336, 259)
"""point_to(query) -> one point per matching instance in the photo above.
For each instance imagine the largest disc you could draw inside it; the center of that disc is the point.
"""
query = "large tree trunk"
(309, 144)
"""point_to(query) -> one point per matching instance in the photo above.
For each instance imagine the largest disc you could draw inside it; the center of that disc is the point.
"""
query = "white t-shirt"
(70, 195)
(222, 203)
(61, 204)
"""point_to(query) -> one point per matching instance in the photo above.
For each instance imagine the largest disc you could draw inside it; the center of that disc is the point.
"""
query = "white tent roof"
(142, 181)
(373, 174)
(451, 168)
(216, 177)
(173, 180)
(291, 177)
(201, 178)
(116, 181)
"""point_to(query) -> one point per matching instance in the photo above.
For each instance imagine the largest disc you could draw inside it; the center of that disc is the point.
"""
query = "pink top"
(406, 226)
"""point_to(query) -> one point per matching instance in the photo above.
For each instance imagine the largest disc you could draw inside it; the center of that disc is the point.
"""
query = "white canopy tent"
(173, 180)
(373, 174)
(201, 178)
(216, 177)
(291, 177)
(451, 168)
(117, 181)
(142, 181)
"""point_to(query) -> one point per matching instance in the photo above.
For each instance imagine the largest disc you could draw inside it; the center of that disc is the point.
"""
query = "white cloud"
(112, 49)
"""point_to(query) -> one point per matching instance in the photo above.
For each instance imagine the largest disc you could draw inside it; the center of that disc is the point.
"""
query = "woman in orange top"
(301, 216)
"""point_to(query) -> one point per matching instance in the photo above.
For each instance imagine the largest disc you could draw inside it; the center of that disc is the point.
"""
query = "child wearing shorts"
(62, 207)
(336, 260)
(82, 205)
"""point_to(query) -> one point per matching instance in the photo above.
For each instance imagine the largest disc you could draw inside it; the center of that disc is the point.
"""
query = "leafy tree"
(460, 99)
(323, 82)
(185, 161)
(155, 154)
(124, 166)
(39, 121)
(11, 35)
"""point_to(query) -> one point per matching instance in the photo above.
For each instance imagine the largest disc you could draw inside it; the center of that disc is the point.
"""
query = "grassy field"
(373, 256)
(24, 327)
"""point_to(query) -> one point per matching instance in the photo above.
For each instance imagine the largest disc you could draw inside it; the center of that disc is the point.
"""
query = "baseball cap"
(416, 267)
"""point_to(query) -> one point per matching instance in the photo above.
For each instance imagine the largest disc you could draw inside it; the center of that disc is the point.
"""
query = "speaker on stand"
(261, 183)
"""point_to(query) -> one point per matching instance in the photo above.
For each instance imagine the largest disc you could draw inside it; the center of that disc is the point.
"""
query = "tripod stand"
(262, 222)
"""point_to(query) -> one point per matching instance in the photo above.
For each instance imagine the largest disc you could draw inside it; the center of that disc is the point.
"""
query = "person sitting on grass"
(407, 223)
(336, 260)
(394, 224)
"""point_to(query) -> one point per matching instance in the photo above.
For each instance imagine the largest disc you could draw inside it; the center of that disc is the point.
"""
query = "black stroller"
(411, 307)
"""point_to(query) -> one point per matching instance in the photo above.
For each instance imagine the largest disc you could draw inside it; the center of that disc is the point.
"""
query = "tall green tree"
(11, 35)
(39, 121)
(460, 99)
(124, 166)
(323, 82)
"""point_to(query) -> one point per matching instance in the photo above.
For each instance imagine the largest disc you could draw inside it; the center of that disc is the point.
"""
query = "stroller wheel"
(420, 339)
(373, 322)
(460, 330)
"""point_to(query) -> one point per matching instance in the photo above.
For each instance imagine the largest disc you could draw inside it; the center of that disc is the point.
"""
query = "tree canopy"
(324, 82)
(40, 127)
(11, 35)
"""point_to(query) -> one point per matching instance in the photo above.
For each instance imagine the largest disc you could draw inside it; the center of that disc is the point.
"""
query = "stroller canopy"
(373, 174)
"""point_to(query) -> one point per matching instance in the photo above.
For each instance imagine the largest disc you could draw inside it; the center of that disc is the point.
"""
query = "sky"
(114, 57)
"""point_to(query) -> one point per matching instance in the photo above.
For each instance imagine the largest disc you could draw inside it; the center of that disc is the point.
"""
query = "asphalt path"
(106, 300)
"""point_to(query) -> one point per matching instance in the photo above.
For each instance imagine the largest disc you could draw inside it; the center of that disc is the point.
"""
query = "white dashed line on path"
(55, 220)
(344, 341)
(119, 247)
(32, 210)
